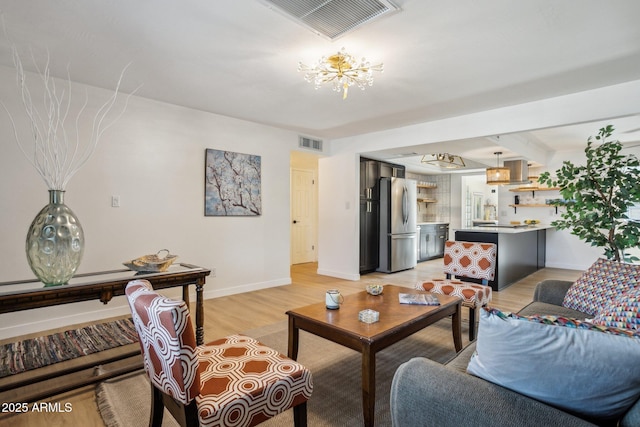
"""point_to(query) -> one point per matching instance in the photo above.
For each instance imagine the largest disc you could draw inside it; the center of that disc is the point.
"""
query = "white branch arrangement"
(54, 153)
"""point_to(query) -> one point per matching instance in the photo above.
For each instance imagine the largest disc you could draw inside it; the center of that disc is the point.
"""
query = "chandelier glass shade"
(341, 70)
(443, 160)
(498, 175)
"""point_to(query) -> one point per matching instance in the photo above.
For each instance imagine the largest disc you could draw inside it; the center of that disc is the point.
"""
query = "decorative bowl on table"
(374, 289)
(151, 263)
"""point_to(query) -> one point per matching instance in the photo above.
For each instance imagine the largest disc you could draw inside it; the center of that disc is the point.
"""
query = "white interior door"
(303, 216)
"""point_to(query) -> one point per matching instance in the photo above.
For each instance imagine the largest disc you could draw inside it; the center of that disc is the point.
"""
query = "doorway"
(479, 200)
(304, 207)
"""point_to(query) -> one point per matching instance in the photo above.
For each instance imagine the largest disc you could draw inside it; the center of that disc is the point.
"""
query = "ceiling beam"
(525, 145)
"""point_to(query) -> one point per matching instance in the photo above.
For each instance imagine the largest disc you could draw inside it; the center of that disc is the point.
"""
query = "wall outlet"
(213, 272)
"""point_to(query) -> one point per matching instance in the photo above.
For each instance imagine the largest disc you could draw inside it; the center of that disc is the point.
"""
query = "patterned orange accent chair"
(233, 381)
(466, 260)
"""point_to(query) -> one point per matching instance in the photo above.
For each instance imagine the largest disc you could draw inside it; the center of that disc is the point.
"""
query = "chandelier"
(443, 160)
(498, 175)
(341, 70)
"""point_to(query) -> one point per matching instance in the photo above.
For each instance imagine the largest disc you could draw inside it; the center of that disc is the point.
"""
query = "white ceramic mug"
(333, 299)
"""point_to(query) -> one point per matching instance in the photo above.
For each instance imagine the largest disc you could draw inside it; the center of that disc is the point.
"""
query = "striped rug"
(42, 351)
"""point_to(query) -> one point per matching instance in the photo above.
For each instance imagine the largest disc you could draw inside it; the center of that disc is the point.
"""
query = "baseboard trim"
(338, 274)
(216, 293)
(579, 267)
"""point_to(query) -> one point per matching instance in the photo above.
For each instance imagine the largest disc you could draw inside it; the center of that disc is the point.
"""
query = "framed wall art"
(232, 184)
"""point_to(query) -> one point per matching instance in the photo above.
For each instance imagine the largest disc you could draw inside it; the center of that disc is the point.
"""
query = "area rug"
(337, 397)
(38, 352)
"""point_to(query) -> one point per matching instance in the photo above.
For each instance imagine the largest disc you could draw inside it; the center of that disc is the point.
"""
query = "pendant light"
(498, 175)
(443, 160)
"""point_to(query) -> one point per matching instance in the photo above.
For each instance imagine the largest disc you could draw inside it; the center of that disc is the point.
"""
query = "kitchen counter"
(432, 222)
(506, 229)
(521, 250)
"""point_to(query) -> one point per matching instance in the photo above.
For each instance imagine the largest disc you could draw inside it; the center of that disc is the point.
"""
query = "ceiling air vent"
(333, 18)
(312, 144)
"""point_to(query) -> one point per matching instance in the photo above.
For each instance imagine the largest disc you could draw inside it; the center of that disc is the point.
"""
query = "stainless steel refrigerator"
(398, 230)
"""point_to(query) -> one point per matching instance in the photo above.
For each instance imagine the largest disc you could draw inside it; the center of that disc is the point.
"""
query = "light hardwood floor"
(242, 312)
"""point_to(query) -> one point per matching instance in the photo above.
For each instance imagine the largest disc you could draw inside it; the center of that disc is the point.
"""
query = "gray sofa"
(427, 393)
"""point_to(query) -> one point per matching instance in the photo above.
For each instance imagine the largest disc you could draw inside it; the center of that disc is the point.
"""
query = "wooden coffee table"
(397, 321)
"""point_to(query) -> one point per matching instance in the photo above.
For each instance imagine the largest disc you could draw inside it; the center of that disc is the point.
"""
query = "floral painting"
(232, 184)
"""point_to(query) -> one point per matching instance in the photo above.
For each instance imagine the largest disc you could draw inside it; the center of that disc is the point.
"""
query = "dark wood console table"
(103, 286)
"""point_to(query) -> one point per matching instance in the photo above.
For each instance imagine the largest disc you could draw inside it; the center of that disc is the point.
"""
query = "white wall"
(338, 227)
(153, 158)
(338, 257)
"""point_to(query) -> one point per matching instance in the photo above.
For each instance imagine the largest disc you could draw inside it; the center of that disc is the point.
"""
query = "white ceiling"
(442, 59)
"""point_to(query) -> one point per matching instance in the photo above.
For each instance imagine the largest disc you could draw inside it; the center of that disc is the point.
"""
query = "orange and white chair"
(466, 260)
(233, 381)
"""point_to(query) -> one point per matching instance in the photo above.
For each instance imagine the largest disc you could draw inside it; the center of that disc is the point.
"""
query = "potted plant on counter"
(598, 195)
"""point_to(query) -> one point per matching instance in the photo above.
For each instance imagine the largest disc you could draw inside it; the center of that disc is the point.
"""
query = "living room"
(152, 158)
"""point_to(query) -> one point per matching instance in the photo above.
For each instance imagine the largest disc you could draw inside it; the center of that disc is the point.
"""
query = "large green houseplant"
(598, 195)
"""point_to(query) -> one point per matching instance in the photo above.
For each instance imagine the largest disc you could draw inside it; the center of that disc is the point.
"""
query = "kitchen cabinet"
(369, 235)
(369, 214)
(431, 240)
(369, 179)
(370, 173)
(391, 170)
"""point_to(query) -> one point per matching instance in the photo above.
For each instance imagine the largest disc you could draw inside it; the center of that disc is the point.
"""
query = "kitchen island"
(521, 250)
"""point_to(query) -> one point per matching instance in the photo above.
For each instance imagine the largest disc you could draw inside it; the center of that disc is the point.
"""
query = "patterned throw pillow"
(565, 363)
(570, 323)
(623, 312)
(600, 285)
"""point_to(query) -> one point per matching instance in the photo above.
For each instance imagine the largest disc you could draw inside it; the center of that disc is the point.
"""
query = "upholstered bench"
(466, 260)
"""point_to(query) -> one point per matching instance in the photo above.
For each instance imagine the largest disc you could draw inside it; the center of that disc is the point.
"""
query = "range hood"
(518, 171)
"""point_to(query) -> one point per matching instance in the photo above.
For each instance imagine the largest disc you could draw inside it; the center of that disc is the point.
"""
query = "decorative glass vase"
(55, 242)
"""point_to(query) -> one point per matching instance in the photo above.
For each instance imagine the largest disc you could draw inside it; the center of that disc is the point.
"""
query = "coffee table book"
(418, 299)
